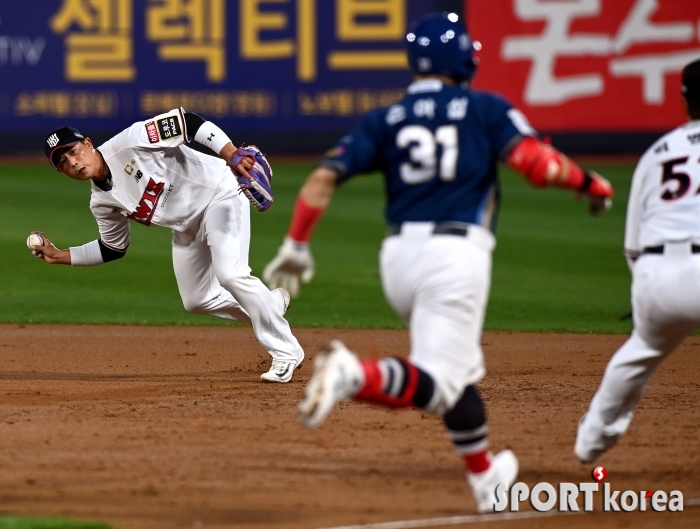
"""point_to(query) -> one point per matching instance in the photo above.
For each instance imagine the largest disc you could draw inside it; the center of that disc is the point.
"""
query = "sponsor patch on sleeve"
(336, 151)
(152, 132)
(169, 127)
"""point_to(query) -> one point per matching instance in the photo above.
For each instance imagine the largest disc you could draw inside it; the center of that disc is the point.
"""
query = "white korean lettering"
(653, 70)
(457, 108)
(424, 108)
(638, 28)
(543, 87)
(556, 41)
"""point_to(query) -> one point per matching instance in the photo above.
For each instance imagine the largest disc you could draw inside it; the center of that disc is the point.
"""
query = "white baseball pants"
(211, 267)
(440, 284)
(666, 308)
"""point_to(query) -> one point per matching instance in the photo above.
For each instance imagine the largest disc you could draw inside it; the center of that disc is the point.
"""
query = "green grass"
(555, 267)
(17, 522)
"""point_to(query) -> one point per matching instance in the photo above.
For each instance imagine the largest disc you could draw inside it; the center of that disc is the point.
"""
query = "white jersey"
(156, 179)
(664, 202)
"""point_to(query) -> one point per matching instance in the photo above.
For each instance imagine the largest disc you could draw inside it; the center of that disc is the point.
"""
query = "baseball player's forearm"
(94, 253)
(633, 217)
(227, 152)
(543, 165)
(57, 257)
(53, 255)
(313, 199)
(318, 189)
(209, 135)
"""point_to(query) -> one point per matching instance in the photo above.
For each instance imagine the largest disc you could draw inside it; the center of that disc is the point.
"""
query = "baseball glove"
(257, 188)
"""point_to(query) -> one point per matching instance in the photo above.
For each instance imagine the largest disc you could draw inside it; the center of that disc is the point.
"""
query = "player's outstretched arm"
(93, 253)
(43, 248)
(294, 263)
(543, 165)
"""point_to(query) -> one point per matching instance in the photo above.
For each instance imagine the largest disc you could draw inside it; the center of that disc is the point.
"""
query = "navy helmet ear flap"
(439, 43)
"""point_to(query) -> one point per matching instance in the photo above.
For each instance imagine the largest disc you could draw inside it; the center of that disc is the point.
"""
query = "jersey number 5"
(422, 150)
(682, 180)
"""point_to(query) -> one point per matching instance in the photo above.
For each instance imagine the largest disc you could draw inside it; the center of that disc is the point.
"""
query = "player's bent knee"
(194, 307)
(234, 279)
(444, 393)
(439, 403)
(197, 305)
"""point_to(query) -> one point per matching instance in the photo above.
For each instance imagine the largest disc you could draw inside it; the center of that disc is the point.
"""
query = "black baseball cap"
(690, 81)
(60, 139)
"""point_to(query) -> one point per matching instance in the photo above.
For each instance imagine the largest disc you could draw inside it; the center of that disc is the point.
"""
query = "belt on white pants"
(661, 248)
(479, 235)
(460, 229)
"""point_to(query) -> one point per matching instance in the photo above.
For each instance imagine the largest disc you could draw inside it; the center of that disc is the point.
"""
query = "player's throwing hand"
(43, 248)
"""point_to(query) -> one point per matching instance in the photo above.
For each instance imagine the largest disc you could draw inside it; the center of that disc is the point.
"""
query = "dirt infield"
(161, 427)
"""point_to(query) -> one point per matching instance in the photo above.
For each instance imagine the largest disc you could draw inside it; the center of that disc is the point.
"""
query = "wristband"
(304, 219)
(86, 255)
(587, 181)
(211, 136)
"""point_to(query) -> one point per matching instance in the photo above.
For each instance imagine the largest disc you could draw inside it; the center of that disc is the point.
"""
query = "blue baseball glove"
(257, 188)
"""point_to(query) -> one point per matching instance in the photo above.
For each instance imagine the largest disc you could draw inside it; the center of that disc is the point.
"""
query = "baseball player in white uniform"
(662, 244)
(148, 174)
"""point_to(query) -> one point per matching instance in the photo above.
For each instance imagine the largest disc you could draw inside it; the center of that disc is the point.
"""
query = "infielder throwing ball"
(662, 244)
(148, 174)
(438, 148)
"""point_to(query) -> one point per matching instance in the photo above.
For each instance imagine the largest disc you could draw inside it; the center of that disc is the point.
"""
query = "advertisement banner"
(280, 65)
(588, 65)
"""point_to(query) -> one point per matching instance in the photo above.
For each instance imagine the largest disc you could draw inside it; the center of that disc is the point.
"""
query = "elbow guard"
(543, 165)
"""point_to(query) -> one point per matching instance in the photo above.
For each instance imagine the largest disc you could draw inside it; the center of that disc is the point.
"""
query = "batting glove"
(292, 263)
(599, 192)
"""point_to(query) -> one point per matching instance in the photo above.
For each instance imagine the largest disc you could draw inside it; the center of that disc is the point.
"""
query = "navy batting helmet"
(439, 43)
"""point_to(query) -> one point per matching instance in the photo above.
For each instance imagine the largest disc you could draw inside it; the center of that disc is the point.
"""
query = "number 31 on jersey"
(422, 150)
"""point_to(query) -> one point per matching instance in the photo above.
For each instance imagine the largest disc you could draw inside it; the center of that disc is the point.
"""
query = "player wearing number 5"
(148, 174)
(438, 149)
(662, 243)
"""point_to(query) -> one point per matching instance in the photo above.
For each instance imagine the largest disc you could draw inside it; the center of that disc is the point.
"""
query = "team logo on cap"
(53, 140)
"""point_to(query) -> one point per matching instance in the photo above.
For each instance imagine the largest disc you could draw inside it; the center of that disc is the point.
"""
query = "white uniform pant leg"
(621, 389)
(199, 288)
(440, 285)
(226, 230)
(666, 308)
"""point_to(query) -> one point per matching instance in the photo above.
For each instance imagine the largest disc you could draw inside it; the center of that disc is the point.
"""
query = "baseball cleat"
(284, 299)
(503, 469)
(338, 375)
(280, 371)
(589, 445)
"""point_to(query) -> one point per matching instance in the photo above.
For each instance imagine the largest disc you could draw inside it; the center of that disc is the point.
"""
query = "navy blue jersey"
(439, 149)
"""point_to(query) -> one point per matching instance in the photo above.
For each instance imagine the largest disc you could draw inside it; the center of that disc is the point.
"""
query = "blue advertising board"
(282, 65)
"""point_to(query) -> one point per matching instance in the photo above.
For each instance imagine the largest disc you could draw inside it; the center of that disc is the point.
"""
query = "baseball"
(34, 240)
